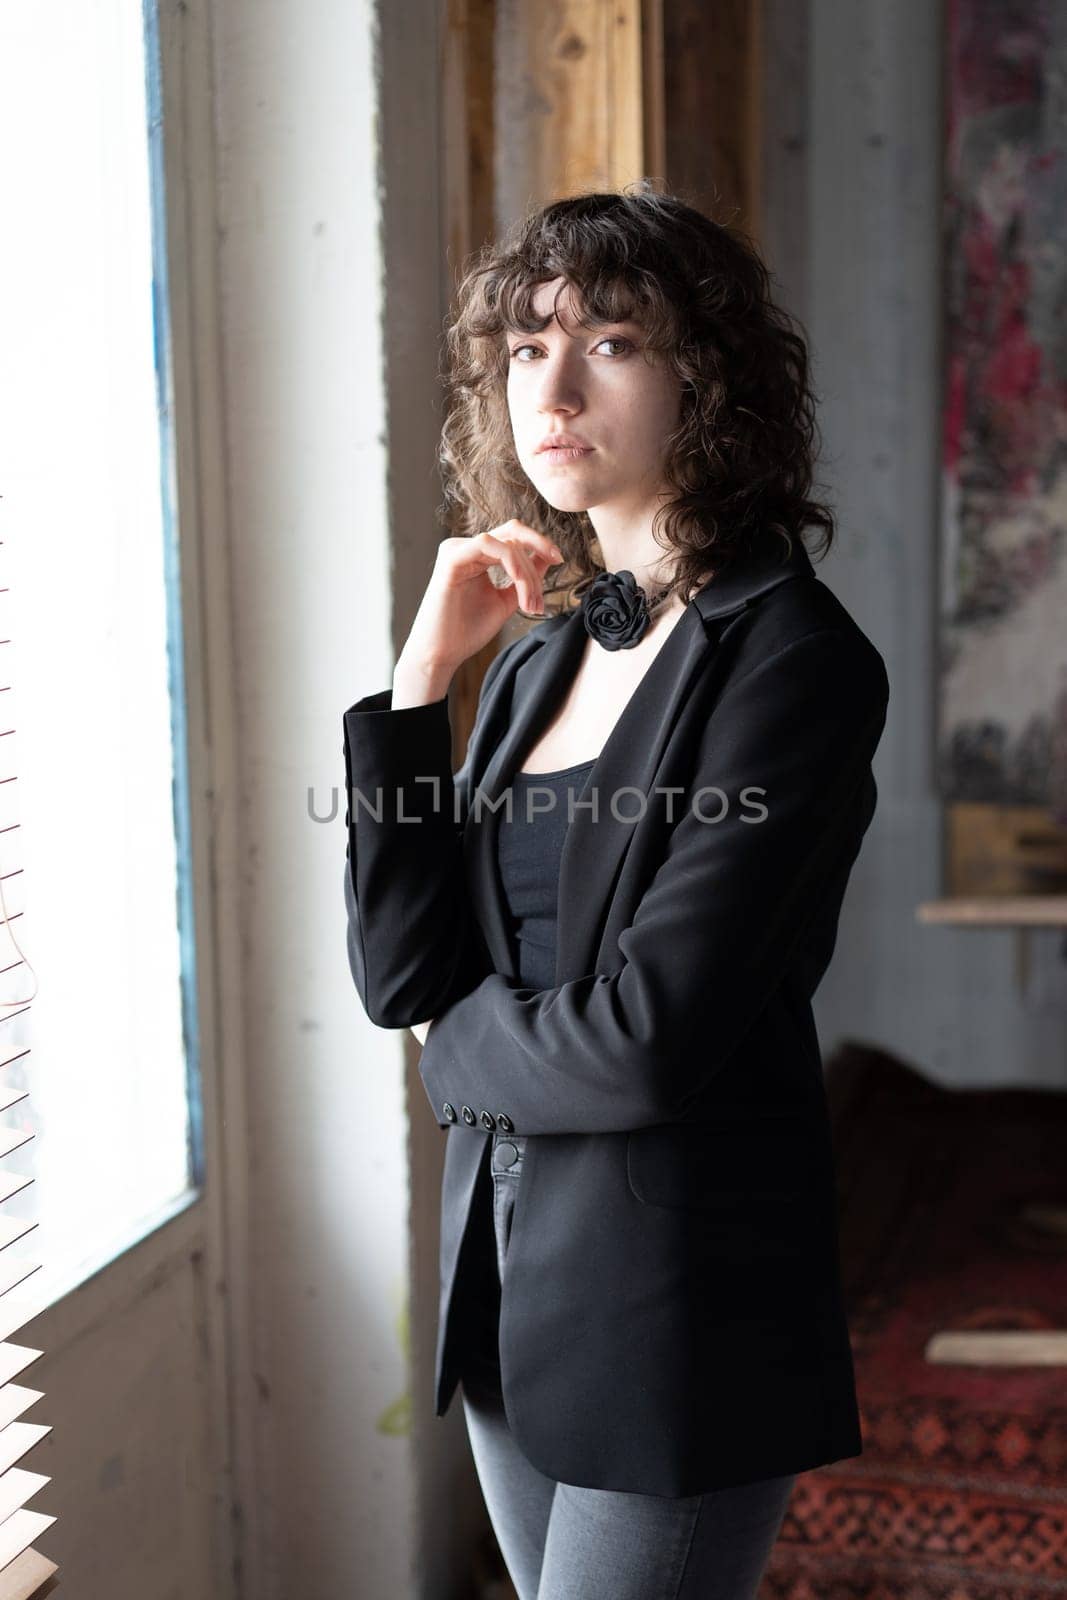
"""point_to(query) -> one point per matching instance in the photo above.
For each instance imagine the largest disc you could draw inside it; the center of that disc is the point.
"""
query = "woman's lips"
(564, 455)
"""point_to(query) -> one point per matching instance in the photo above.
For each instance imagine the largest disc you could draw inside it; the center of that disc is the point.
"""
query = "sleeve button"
(488, 1120)
(504, 1123)
(449, 1111)
(468, 1116)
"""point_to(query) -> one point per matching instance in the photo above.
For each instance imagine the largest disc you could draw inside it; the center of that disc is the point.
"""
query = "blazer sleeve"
(722, 919)
(414, 943)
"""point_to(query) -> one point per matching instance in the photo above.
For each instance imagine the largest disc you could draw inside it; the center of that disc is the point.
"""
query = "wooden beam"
(713, 77)
(570, 98)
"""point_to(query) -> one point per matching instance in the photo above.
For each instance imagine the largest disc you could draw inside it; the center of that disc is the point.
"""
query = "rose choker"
(617, 611)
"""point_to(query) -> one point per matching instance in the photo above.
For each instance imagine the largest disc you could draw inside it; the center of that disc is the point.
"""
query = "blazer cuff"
(383, 746)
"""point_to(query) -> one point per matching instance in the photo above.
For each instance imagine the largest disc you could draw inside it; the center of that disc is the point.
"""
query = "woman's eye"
(611, 339)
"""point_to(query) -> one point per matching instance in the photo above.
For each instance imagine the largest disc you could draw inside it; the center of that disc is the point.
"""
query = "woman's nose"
(559, 389)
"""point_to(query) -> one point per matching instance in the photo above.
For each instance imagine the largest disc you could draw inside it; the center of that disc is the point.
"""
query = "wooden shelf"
(1007, 911)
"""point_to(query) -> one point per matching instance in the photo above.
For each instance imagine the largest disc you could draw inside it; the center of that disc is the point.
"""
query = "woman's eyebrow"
(581, 332)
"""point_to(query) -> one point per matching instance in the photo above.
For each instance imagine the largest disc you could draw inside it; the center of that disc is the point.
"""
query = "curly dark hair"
(741, 457)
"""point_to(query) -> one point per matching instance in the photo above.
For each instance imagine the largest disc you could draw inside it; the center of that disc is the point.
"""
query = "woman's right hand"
(463, 609)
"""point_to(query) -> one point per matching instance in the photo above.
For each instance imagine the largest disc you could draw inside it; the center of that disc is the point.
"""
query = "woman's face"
(598, 386)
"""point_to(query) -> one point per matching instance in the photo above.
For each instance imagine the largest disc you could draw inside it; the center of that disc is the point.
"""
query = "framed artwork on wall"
(1002, 692)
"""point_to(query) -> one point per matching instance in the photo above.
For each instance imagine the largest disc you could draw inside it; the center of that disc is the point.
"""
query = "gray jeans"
(561, 1542)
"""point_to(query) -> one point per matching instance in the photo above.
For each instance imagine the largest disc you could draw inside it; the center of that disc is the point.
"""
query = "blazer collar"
(753, 574)
(626, 768)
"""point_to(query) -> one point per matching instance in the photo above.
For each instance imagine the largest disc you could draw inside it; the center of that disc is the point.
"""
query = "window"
(88, 512)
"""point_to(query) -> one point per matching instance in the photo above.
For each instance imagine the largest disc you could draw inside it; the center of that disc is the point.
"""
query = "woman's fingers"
(458, 614)
(538, 552)
(519, 565)
(523, 552)
(534, 540)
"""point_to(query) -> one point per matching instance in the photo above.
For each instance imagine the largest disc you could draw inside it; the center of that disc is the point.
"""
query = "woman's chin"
(560, 498)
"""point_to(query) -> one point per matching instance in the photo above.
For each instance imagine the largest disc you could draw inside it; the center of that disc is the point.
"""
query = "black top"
(530, 843)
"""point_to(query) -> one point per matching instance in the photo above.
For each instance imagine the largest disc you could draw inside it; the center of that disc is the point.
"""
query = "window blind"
(24, 1571)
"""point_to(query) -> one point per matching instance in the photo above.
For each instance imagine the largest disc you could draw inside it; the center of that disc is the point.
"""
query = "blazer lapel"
(623, 777)
(625, 769)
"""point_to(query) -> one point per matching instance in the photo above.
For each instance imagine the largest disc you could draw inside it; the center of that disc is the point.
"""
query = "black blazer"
(671, 1316)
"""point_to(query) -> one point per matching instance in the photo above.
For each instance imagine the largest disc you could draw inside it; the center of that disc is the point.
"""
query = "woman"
(607, 928)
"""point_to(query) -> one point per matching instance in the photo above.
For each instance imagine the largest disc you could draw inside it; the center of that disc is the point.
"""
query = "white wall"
(854, 167)
(332, 1510)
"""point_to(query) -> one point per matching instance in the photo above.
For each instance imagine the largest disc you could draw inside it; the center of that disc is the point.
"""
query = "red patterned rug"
(953, 1216)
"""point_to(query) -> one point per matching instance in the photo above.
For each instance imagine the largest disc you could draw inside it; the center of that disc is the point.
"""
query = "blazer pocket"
(753, 1178)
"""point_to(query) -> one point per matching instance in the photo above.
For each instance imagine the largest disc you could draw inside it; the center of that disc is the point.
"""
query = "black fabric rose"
(615, 610)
